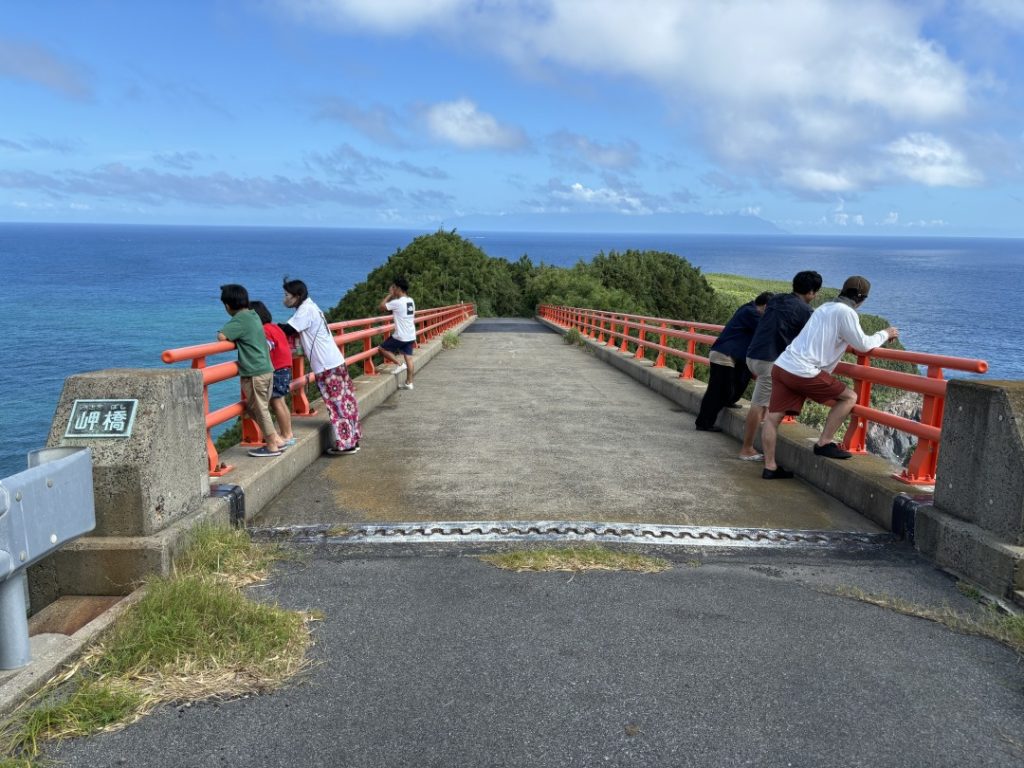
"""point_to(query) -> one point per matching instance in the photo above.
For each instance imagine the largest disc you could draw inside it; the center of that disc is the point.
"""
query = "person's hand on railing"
(894, 333)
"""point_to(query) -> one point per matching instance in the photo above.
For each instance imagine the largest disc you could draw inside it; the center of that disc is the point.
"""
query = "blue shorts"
(391, 344)
(282, 383)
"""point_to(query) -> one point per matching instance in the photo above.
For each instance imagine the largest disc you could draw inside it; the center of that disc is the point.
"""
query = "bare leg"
(389, 357)
(768, 437)
(754, 416)
(409, 368)
(284, 418)
(837, 415)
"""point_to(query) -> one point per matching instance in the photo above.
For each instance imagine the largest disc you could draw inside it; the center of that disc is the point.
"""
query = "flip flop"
(263, 453)
(755, 457)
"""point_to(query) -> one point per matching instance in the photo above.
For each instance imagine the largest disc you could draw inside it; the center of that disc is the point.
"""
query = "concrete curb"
(863, 483)
(50, 652)
(113, 565)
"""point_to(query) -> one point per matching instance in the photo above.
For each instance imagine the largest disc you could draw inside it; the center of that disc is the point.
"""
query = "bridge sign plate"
(101, 418)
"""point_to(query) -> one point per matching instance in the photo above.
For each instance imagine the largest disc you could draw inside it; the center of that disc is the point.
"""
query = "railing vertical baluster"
(300, 403)
(922, 465)
(691, 347)
(641, 336)
(855, 440)
(611, 330)
(662, 341)
(368, 367)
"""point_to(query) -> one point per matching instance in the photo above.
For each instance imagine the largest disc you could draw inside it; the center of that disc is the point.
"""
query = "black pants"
(725, 386)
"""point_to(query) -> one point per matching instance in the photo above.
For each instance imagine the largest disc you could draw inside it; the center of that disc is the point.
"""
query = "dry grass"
(582, 558)
(191, 637)
(1007, 629)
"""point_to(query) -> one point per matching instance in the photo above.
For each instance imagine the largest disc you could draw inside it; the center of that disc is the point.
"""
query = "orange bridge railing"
(366, 332)
(639, 336)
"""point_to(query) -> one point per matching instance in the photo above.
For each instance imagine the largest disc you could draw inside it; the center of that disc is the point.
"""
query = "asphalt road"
(725, 660)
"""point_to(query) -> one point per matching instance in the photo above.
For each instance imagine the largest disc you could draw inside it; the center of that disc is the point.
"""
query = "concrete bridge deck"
(731, 658)
(515, 425)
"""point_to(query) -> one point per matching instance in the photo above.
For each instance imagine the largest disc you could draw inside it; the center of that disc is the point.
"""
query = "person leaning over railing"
(782, 320)
(729, 374)
(804, 370)
(328, 364)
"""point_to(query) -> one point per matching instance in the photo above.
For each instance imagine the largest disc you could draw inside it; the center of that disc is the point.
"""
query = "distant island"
(654, 223)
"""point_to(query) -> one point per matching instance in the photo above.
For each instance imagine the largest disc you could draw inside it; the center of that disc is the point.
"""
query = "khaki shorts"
(257, 400)
(762, 369)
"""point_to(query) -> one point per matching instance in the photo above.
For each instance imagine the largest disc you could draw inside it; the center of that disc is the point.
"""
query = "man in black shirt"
(783, 318)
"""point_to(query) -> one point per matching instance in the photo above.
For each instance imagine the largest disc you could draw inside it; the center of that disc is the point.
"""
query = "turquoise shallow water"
(79, 298)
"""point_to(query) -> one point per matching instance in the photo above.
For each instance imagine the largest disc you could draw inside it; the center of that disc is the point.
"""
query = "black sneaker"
(712, 428)
(776, 474)
(831, 451)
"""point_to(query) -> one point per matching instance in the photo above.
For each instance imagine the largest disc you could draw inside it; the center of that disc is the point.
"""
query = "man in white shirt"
(804, 370)
(401, 306)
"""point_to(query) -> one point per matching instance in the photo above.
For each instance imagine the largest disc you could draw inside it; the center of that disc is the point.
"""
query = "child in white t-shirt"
(402, 340)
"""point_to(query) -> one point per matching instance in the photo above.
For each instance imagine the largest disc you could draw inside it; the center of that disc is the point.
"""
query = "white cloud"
(891, 219)
(577, 196)
(932, 161)
(792, 91)
(462, 124)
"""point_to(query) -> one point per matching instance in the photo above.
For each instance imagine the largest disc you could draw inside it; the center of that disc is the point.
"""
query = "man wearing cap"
(804, 370)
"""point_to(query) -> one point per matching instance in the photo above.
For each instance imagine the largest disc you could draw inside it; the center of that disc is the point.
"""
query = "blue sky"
(819, 116)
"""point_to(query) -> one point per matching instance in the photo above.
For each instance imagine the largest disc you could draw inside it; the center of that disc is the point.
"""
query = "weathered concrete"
(144, 482)
(976, 525)
(516, 426)
(981, 464)
(864, 483)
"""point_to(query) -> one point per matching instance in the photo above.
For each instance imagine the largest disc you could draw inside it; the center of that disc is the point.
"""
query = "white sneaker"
(405, 386)
(400, 368)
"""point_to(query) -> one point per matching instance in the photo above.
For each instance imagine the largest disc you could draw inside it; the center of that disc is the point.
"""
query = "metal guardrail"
(429, 324)
(41, 509)
(632, 334)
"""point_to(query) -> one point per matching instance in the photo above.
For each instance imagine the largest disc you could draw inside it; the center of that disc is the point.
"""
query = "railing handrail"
(430, 323)
(600, 325)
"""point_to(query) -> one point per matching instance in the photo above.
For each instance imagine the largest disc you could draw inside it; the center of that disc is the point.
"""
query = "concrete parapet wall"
(144, 482)
(981, 465)
(865, 483)
(976, 524)
(104, 564)
(970, 551)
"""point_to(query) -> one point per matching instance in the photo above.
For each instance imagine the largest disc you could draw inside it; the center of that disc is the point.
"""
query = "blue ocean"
(87, 297)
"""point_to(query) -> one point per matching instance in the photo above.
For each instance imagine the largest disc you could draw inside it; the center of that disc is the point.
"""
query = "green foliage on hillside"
(445, 268)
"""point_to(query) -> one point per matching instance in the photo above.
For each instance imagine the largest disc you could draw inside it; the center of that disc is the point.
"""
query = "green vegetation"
(450, 340)
(572, 336)
(581, 558)
(1004, 628)
(192, 636)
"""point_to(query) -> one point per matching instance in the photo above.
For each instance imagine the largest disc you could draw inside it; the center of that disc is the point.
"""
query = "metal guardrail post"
(41, 509)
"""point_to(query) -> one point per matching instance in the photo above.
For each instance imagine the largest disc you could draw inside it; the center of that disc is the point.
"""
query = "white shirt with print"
(404, 310)
(316, 338)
